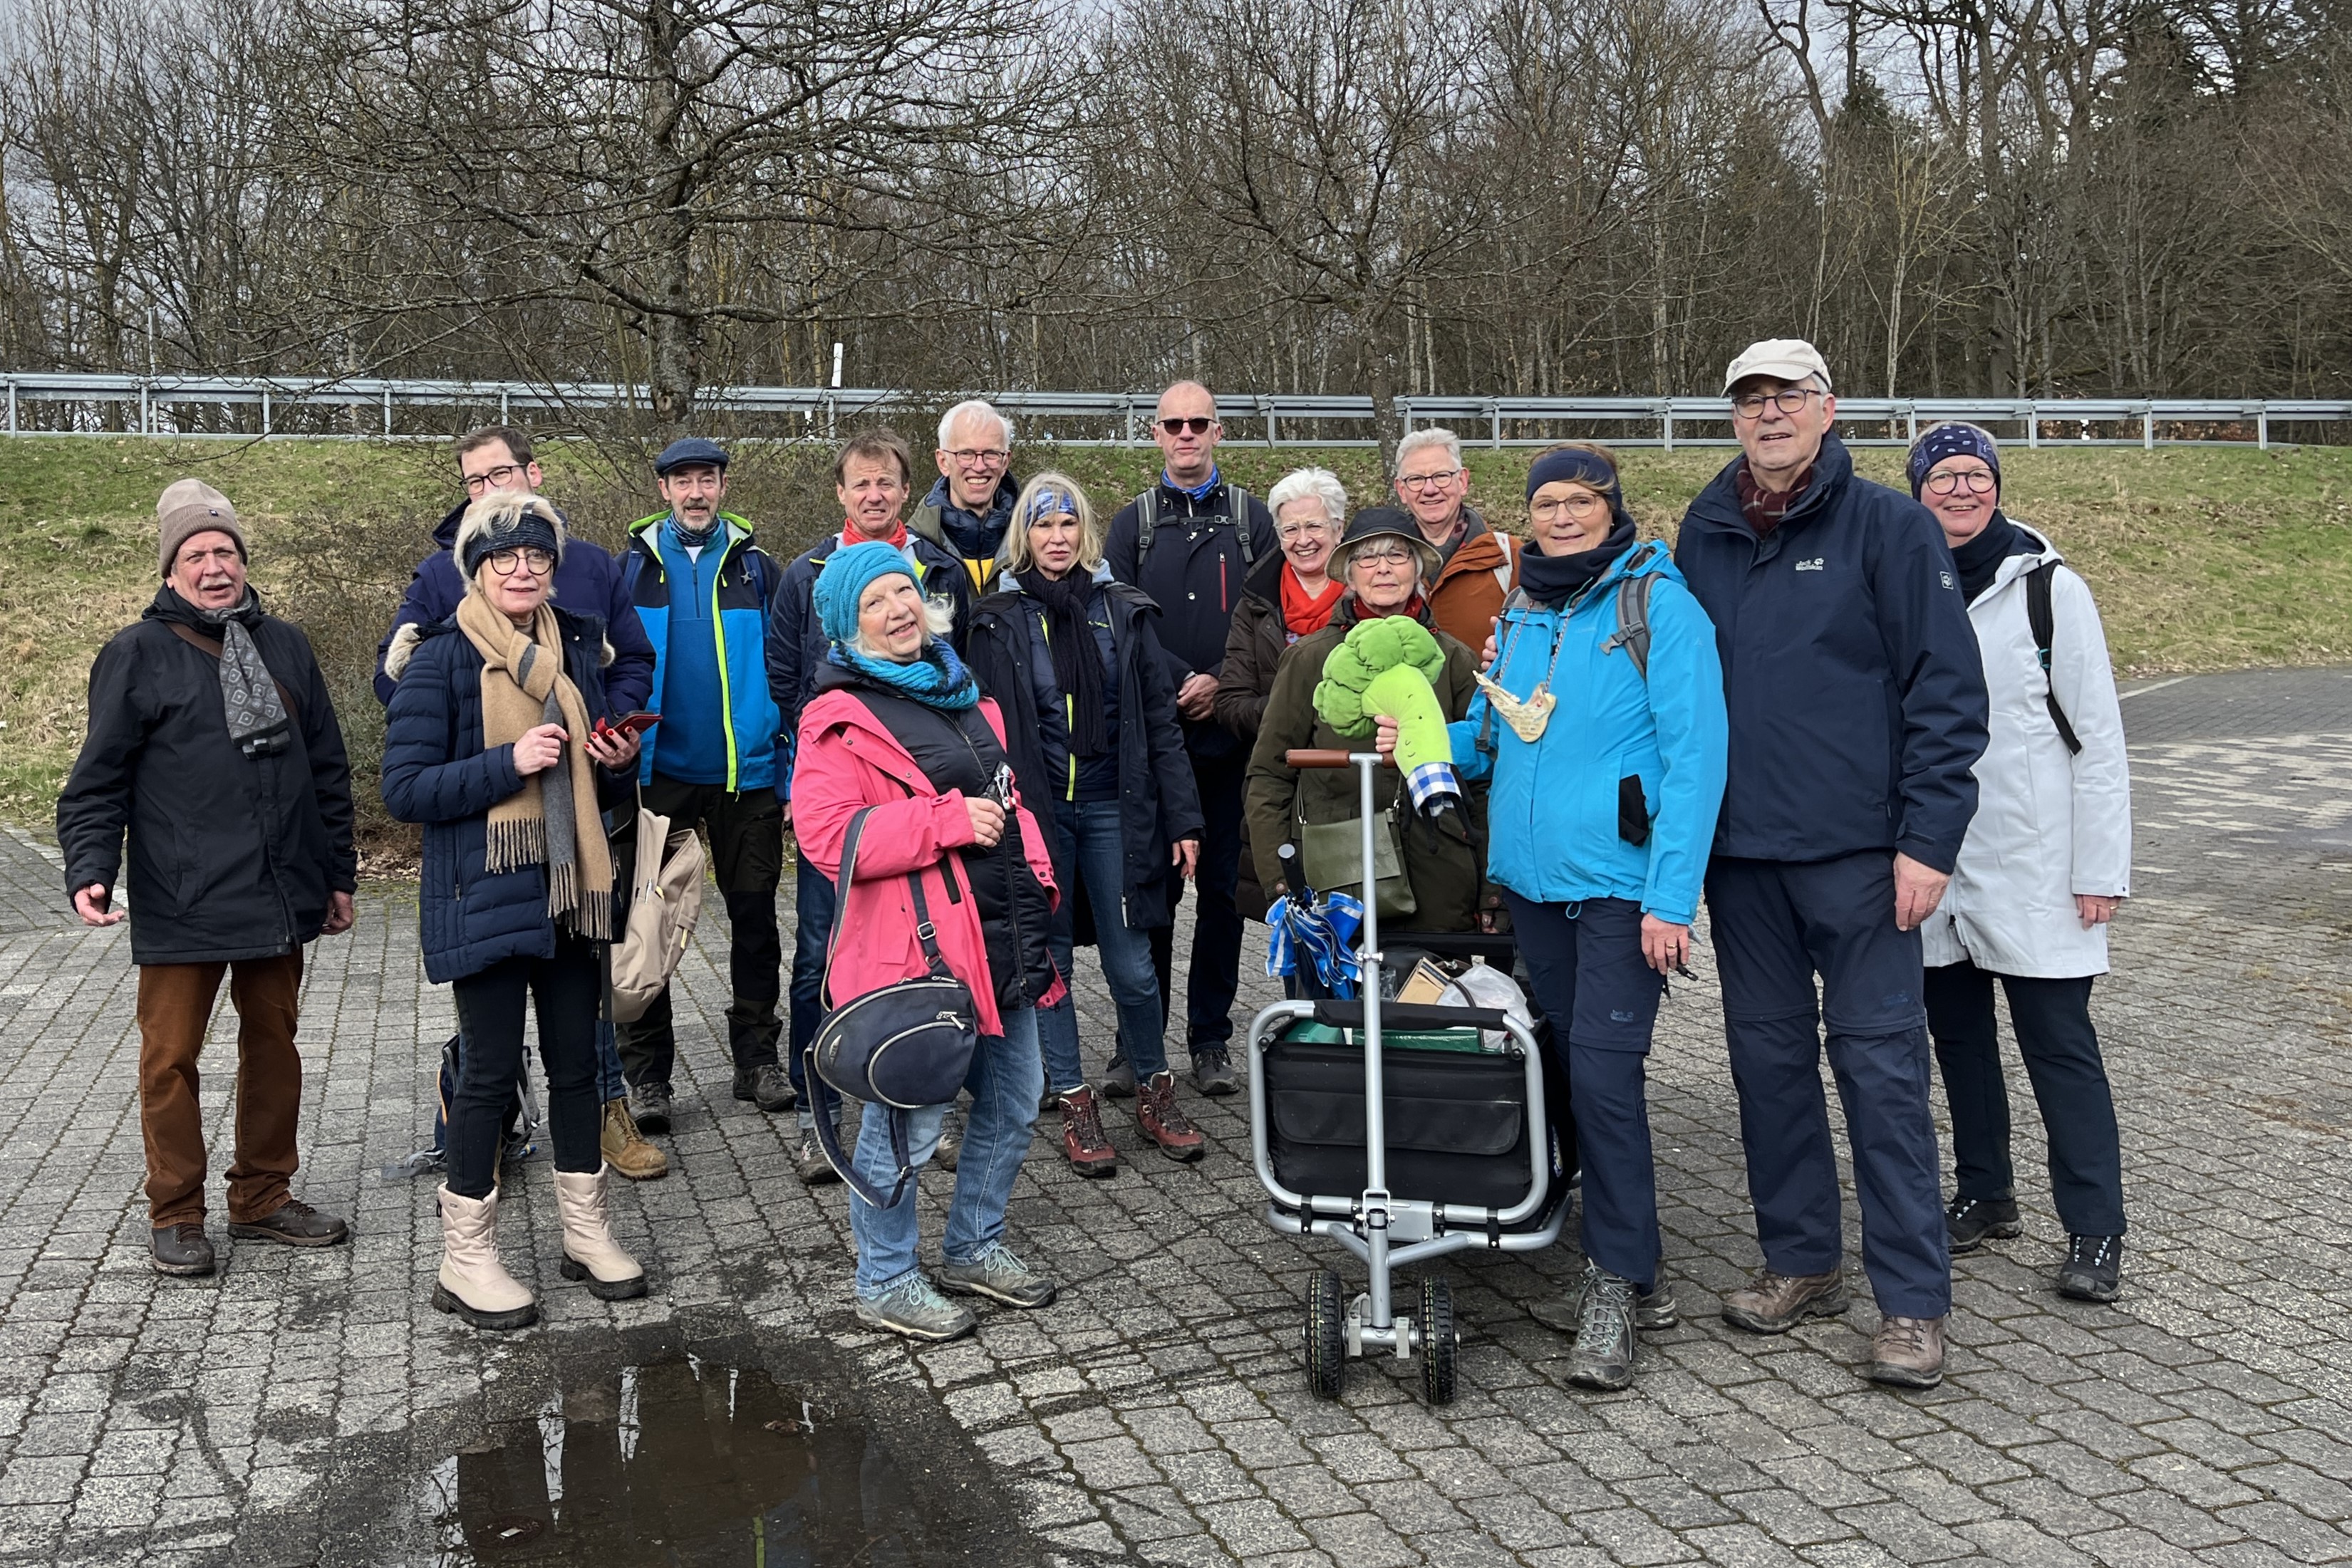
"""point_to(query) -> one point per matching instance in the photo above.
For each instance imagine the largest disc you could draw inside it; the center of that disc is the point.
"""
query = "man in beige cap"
(213, 745)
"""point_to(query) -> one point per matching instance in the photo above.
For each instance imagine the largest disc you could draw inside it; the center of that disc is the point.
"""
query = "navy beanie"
(842, 581)
(1953, 439)
(505, 519)
(1572, 464)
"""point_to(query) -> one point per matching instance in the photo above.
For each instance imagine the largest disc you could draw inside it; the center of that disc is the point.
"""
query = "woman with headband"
(2046, 861)
(1073, 659)
(1605, 748)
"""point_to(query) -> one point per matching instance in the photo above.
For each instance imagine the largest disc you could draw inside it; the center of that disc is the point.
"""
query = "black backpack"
(2044, 624)
(1147, 522)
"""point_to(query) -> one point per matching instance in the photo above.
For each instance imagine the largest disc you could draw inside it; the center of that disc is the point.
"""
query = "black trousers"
(746, 857)
(569, 991)
(1216, 973)
(2052, 1018)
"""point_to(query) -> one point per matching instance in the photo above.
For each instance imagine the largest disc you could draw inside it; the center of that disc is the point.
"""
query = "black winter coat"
(1005, 647)
(231, 856)
(1851, 672)
(1194, 572)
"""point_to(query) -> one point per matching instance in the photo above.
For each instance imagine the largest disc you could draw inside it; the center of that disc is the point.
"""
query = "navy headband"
(1586, 468)
(1951, 441)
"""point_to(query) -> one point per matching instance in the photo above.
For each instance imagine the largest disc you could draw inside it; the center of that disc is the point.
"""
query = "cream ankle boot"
(590, 1252)
(473, 1284)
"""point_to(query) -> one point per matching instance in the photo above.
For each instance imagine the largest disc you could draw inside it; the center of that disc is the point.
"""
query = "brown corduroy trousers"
(175, 1002)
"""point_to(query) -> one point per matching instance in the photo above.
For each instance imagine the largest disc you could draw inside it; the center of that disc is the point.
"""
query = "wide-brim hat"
(1386, 522)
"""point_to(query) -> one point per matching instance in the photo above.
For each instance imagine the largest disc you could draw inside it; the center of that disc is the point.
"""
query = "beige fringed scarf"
(552, 819)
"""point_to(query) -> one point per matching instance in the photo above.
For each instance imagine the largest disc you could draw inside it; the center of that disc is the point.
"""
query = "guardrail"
(1113, 418)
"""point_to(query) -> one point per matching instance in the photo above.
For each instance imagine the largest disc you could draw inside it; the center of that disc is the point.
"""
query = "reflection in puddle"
(681, 1461)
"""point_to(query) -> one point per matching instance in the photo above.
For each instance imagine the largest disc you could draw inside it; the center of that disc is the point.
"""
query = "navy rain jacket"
(588, 583)
(1194, 572)
(1855, 691)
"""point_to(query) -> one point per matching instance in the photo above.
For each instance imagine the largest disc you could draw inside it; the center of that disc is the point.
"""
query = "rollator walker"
(1475, 1161)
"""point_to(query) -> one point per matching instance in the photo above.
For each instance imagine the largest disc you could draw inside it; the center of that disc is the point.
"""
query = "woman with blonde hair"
(1072, 656)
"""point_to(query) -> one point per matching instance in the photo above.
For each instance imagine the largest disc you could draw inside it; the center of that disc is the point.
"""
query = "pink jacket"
(848, 760)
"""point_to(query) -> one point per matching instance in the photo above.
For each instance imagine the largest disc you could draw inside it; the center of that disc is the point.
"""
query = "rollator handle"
(1320, 756)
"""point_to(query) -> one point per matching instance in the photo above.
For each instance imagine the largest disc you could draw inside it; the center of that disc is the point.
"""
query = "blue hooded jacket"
(742, 587)
(1561, 813)
(1851, 674)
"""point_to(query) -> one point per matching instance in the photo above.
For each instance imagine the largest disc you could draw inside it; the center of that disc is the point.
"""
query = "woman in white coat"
(2045, 862)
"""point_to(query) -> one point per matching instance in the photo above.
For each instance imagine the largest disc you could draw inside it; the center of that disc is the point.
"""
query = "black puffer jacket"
(231, 856)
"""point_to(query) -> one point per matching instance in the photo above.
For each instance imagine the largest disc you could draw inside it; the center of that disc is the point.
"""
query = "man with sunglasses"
(966, 511)
(1857, 707)
(589, 581)
(1477, 566)
(1190, 542)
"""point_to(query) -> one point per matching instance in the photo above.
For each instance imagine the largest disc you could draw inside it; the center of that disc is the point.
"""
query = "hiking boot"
(1775, 1303)
(181, 1248)
(590, 1252)
(2093, 1270)
(951, 1148)
(767, 1086)
(1213, 1071)
(295, 1223)
(1907, 1353)
(1158, 1117)
(1652, 1311)
(1973, 1221)
(1605, 1337)
(650, 1104)
(810, 1165)
(625, 1149)
(1084, 1143)
(1118, 1078)
(999, 1276)
(913, 1307)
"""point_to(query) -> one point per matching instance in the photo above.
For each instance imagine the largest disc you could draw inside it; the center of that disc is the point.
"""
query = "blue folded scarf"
(938, 679)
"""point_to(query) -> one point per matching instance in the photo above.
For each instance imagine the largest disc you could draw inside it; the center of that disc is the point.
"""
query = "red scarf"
(1307, 614)
(1416, 607)
(850, 536)
(1764, 508)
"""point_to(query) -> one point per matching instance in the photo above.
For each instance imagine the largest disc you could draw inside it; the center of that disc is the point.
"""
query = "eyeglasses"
(537, 561)
(1788, 400)
(1198, 424)
(1578, 506)
(1287, 532)
(1425, 481)
(499, 478)
(1979, 481)
(1380, 555)
(979, 456)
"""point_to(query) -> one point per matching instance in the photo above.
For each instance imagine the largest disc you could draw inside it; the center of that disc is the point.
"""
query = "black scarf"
(1077, 662)
(1980, 559)
(1552, 580)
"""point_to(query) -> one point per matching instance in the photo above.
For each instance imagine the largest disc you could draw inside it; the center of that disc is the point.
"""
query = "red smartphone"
(636, 723)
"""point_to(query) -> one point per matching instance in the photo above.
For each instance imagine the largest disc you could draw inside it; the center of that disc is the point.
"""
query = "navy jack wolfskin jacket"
(1850, 673)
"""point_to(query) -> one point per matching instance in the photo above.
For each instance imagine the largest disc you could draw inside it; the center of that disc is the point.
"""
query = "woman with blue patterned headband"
(1073, 658)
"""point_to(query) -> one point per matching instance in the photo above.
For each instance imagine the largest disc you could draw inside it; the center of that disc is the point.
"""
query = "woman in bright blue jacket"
(1605, 752)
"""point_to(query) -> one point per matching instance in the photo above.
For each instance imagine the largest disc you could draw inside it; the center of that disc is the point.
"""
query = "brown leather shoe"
(1156, 1112)
(625, 1149)
(1775, 1303)
(1907, 1353)
(295, 1223)
(1084, 1143)
(181, 1248)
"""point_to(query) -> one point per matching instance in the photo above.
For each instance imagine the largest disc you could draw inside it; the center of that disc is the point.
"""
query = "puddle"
(674, 1460)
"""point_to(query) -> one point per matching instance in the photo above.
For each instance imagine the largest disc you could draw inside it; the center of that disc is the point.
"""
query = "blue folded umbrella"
(1318, 930)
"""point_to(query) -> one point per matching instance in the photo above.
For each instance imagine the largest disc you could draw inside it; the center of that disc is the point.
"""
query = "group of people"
(1877, 734)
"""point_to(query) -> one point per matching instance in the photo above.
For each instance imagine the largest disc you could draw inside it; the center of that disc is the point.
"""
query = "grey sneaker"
(649, 1105)
(767, 1086)
(912, 1308)
(1605, 1336)
(1213, 1070)
(998, 1275)
(811, 1166)
(1565, 1313)
(950, 1140)
(1118, 1078)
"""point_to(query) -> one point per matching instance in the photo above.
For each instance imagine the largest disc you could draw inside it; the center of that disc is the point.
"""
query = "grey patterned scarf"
(256, 717)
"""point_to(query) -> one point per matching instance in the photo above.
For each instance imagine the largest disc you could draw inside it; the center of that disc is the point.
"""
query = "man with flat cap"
(1856, 700)
(702, 589)
(213, 746)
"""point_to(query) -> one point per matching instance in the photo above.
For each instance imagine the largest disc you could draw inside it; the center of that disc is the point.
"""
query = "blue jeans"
(610, 1083)
(1005, 1083)
(1090, 841)
(813, 899)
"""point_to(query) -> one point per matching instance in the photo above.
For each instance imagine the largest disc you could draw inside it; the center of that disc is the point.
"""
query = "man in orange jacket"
(1477, 566)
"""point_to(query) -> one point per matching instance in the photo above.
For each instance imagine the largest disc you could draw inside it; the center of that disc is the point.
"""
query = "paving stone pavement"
(1157, 1413)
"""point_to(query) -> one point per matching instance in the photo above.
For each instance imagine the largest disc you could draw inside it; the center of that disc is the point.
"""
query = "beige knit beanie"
(190, 506)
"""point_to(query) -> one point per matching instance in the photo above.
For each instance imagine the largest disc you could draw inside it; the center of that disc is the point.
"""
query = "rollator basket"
(1457, 1120)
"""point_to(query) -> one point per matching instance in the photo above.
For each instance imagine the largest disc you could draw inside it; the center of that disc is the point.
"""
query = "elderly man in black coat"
(212, 741)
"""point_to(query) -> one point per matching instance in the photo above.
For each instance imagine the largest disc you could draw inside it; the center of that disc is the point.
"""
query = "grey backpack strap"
(1633, 613)
(1147, 522)
(1238, 501)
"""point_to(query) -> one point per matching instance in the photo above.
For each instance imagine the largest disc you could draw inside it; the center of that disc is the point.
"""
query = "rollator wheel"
(1327, 1336)
(1438, 1340)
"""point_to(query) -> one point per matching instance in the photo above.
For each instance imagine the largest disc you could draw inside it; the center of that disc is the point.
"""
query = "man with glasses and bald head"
(1191, 543)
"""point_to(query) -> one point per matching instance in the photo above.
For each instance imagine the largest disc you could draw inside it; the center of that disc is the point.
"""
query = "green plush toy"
(1385, 670)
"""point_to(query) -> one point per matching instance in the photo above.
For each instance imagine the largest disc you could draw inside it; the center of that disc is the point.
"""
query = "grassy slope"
(2202, 557)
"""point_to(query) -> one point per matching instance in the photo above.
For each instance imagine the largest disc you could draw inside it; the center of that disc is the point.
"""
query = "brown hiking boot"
(1162, 1122)
(1084, 1142)
(625, 1148)
(1907, 1353)
(1775, 1303)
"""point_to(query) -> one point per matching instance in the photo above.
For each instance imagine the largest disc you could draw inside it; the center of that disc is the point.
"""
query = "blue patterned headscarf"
(1954, 440)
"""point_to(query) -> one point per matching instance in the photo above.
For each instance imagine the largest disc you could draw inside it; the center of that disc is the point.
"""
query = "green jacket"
(1445, 865)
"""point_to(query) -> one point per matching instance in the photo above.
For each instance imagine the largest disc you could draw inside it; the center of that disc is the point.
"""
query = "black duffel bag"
(897, 1049)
